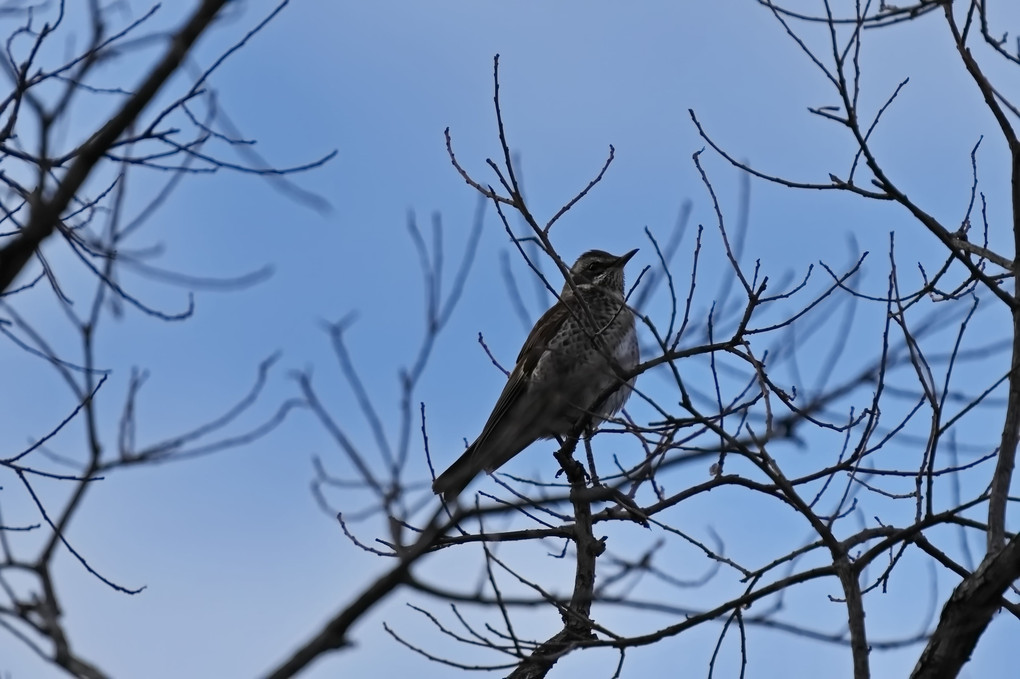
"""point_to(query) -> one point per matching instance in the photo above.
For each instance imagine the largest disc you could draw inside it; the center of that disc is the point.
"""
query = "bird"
(564, 367)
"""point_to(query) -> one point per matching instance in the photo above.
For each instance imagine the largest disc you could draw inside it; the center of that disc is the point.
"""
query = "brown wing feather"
(534, 346)
(545, 329)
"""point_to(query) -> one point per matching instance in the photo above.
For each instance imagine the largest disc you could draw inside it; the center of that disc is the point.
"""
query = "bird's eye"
(592, 266)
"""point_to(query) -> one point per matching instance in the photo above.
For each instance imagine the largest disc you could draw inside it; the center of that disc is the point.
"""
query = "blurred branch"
(46, 210)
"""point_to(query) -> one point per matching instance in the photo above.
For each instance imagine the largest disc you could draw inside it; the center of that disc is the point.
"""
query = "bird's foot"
(579, 467)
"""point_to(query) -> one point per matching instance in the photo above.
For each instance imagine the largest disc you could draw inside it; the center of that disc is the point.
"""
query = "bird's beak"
(625, 258)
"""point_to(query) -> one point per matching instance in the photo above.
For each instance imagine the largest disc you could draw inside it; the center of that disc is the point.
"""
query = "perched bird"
(565, 365)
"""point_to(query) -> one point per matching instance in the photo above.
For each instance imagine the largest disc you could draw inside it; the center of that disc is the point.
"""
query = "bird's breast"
(627, 352)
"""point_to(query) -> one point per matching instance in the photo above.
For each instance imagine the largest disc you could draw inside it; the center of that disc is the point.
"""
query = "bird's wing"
(543, 332)
(534, 347)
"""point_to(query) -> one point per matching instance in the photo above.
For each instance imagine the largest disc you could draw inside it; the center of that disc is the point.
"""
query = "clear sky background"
(239, 563)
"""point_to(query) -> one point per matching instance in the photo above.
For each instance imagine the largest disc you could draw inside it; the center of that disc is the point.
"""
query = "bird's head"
(597, 267)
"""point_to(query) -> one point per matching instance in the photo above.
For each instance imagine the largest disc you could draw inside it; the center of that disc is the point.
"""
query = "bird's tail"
(450, 483)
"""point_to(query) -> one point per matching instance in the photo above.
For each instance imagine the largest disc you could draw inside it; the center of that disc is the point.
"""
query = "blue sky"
(239, 563)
